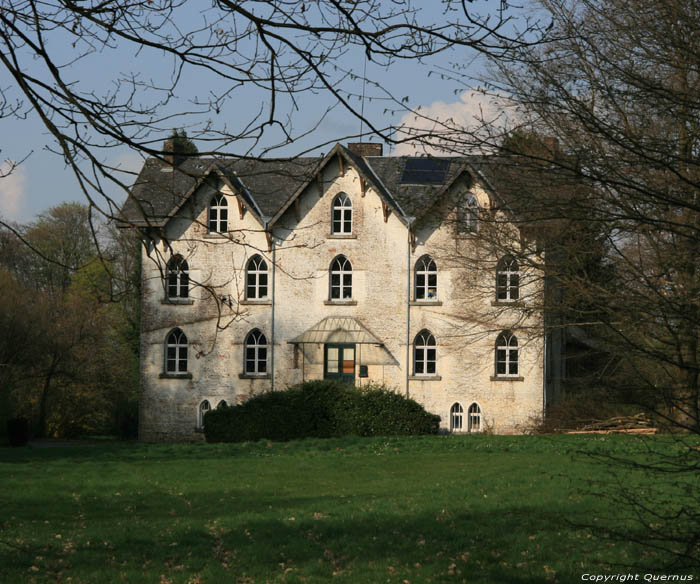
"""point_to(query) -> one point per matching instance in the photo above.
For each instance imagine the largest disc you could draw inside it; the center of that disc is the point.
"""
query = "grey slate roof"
(268, 184)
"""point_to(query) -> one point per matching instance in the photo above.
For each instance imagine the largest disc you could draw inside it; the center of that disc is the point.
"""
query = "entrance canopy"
(337, 329)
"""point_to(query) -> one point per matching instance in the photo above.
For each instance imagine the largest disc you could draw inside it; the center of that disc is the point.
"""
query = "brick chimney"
(366, 148)
(171, 157)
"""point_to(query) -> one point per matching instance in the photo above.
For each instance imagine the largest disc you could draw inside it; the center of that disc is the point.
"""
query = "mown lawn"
(424, 509)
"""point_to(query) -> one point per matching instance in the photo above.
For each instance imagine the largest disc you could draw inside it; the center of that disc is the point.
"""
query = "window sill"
(425, 303)
(512, 303)
(253, 376)
(267, 302)
(183, 301)
(215, 236)
(506, 378)
(341, 236)
(424, 378)
(340, 302)
(175, 376)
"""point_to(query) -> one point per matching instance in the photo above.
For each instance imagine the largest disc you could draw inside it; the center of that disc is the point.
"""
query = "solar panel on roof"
(425, 171)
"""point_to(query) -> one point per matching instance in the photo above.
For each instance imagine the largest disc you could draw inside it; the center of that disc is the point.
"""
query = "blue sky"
(42, 180)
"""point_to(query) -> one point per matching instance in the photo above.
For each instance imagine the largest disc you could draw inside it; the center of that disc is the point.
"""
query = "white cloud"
(461, 127)
(13, 185)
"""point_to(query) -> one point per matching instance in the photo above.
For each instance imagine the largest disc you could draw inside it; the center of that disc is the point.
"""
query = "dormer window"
(468, 214)
(218, 214)
(341, 218)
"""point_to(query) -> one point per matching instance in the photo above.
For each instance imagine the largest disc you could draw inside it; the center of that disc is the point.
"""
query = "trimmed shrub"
(319, 409)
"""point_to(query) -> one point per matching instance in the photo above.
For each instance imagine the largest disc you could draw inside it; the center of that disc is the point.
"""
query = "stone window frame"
(257, 261)
(423, 344)
(456, 417)
(507, 279)
(177, 278)
(175, 366)
(424, 268)
(203, 408)
(507, 356)
(342, 220)
(340, 271)
(217, 215)
(468, 214)
(474, 413)
(253, 364)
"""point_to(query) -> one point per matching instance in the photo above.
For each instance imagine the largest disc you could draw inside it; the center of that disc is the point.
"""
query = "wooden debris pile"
(637, 424)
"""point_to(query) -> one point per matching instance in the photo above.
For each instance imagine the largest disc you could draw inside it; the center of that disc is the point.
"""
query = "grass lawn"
(471, 509)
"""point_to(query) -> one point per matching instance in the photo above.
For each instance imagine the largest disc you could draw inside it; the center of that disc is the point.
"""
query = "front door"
(339, 363)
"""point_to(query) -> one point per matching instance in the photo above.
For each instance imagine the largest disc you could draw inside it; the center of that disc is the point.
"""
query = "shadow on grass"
(513, 545)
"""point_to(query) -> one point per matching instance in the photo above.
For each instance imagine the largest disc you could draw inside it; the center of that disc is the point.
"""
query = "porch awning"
(335, 329)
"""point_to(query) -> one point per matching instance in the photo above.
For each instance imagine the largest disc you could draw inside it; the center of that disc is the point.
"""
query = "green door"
(339, 363)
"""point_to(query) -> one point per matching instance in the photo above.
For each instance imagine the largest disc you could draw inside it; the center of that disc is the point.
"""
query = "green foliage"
(320, 409)
(182, 144)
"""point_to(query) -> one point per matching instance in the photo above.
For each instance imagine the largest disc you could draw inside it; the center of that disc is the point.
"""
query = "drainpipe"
(408, 302)
(272, 316)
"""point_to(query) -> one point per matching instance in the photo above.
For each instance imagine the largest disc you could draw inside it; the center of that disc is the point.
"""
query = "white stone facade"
(298, 247)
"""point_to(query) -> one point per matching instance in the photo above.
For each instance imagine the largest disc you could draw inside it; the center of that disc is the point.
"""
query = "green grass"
(423, 509)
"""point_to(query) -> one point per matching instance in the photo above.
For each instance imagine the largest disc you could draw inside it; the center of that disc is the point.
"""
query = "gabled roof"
(269, 187)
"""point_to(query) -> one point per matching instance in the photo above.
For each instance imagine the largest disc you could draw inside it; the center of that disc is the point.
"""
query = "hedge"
(319, 409)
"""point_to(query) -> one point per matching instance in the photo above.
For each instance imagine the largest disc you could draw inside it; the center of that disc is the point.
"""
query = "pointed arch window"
(255, 353)
(456, 417)
(218, 214)
(424, 354)
(176, 352)
(221, 404)
(256, 278)
(507, 279)
(468, 214)
(341, 215)
(474, 418)
(204, 407)
(177, 278)
(426, 279)
(341, 279)
(506, 355)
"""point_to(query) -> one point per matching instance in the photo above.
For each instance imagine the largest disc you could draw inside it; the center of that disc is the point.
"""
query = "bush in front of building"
(320, 409)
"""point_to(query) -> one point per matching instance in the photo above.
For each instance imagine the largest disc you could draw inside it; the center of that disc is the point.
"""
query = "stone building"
(258, 275)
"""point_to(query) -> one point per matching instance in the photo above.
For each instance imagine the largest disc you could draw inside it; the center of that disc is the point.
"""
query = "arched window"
(341, 219)
(221, 404)
(506, 355)
(456, 413)
(426, 279)
(507, 279)
(218, 214)
(474, 418)
(176, 352)
(255, 353)
(468, 214)
(178, 279)
(256, 278)
(424, 354)
(204, 407)
(341, 278)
